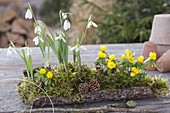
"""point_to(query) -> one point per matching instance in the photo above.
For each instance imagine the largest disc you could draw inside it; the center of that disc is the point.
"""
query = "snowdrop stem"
(11, 43)
(60, 15)
(49, 54)
(79, 59)
(83, 36)
(33, 14)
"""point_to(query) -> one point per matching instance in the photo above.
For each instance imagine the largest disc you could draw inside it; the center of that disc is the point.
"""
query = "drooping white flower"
(37, 30)
(0, 50)
(28, 14)
(77, 48)
(67, 25)
(10, 51)
(36, 40)
(91, 23)
(60, 37)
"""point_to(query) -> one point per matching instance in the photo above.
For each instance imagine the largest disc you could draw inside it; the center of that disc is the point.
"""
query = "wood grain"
(11, 69)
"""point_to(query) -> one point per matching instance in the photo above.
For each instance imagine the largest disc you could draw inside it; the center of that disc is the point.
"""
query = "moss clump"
(66, 84)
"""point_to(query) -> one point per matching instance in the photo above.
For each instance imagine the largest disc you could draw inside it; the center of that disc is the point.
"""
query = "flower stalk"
(26, 57)
(40, 38)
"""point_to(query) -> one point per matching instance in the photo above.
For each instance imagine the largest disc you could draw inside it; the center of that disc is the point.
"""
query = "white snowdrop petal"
(9, 51)
(77, 49)
(67, 25)
(94, 24)
(89, 24)
(83, 47)
(73, 48)
(36, 40)
(28, 14)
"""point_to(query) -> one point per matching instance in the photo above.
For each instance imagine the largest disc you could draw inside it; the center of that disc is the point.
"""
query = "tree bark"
(103, 95)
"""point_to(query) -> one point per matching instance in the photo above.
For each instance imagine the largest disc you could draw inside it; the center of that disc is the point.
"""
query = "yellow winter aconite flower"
(140, 59)
(132, 74)
(135, 71)
(123, 57)
(131, 60)
(152, 55)
(128, 53)
(42, 71)
(103, 48)
(112, 57)
(111, 65)
(101, 55)
(49, 74)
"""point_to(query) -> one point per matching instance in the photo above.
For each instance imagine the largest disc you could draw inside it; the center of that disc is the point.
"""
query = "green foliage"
(50, 9)
(25, 56)
(68, 84)
(127, 21)
(65, 84)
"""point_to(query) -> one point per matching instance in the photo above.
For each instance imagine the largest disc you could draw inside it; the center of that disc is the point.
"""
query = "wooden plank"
(11, 70)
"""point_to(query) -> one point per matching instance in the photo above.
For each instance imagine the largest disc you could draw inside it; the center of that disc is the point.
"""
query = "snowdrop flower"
(91, 23)
(60, 37)
(0, 50)
(28, 14)
(36, 40)
(77, 48)
(37, 30)
(10, 51)
(67, 25)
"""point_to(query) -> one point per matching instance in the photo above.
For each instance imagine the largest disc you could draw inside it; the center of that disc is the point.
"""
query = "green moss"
(66, 84)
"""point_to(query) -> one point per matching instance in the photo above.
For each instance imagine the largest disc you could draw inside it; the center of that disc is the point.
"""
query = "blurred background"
(119, 21)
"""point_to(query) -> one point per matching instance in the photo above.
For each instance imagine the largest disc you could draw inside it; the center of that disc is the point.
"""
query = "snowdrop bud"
(67, 25)
(28, 14)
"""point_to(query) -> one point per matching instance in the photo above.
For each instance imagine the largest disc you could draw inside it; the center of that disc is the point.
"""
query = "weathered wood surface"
(11, 74)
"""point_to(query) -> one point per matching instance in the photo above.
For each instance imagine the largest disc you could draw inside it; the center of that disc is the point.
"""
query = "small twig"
(102, 108)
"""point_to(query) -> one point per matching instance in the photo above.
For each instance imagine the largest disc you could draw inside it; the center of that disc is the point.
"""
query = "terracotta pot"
(162, 48)
(163, 63)
(160, 33)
